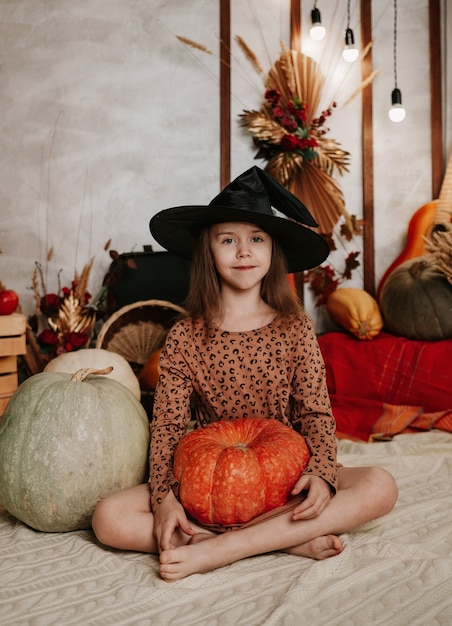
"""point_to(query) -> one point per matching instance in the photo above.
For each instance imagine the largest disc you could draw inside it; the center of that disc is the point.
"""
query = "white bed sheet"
(396, 570)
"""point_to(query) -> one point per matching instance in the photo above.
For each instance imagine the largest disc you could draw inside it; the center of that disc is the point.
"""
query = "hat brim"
(176, 229)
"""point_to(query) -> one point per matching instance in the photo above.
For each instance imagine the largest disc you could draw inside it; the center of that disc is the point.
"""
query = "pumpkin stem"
(81, 374)
(417, 267)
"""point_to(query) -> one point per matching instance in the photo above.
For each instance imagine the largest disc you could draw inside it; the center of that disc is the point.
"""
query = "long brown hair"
(203, 298)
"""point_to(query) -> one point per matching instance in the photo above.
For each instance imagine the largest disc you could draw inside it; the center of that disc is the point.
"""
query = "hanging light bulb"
(350, 52)
(317, 31)
(396, 112)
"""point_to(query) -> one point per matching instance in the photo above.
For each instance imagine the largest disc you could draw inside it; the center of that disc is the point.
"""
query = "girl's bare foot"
(319, 548)
(201, 555)
(197, 557)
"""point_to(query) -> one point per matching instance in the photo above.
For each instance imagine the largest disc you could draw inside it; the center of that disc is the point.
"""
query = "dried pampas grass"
(367, 81)
(250, 55)
(440, 248)
(194, 44)
(82, 280)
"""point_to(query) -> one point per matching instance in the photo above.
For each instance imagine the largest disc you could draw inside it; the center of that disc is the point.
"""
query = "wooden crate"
(8, 380)
(12, 343)
(12, 334)
(8, 375)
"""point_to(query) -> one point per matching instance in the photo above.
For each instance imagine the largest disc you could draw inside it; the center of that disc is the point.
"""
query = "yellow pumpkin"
(355, 310)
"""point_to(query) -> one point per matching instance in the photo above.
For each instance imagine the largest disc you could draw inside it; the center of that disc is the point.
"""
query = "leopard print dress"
(276, 372)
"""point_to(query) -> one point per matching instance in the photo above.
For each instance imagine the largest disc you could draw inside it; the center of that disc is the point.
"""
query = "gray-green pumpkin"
(416, 301)
(66, 443)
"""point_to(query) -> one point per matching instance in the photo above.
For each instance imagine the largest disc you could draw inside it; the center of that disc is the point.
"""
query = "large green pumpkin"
(416, 301)
(65, 444)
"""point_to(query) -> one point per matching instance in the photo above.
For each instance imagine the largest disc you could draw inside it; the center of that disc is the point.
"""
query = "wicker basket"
(137, 330)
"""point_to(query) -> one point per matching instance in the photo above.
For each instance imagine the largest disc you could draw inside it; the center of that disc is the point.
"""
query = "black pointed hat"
(248, 198)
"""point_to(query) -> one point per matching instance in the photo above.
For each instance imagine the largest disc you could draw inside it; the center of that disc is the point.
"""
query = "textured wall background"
(106, 118)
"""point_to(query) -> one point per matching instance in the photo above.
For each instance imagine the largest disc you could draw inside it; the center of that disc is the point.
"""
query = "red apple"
(8, 301)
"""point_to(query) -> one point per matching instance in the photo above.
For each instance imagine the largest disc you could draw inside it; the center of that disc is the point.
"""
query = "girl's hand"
(317, 499)
(170, 516)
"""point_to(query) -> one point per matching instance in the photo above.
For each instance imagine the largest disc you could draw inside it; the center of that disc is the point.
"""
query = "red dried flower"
(272, 96)
(74, 341)
(289, 142)
(50, 304)
(48, 337)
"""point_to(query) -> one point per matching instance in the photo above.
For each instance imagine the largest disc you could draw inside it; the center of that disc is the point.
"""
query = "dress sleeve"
(312, 416)
(171, 414)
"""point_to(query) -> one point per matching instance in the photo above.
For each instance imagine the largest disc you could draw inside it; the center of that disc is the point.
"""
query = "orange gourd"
(355, 310)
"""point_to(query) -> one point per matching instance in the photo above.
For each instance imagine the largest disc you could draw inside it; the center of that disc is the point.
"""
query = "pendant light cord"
(395, 43)
(348, 14)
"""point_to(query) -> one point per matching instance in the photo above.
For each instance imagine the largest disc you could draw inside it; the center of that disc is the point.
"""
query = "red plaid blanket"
(388, 385)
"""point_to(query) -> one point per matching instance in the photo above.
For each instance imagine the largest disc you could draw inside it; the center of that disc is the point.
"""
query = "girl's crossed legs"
(124, 521)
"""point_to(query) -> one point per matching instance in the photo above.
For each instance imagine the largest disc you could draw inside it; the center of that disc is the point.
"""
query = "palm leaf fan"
(297, 75)
(321, 194)
(330, 155)
(284, 169)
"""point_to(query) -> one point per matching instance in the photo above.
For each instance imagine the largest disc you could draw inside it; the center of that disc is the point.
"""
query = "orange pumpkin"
(233, 470)
(149, 375)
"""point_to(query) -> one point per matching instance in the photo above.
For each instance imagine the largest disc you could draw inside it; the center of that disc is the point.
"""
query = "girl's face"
(242, 253)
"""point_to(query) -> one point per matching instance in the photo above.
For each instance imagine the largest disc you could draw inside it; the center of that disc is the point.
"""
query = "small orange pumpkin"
(149, 375)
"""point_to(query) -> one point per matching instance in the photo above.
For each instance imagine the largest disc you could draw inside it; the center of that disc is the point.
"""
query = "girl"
(246, 349)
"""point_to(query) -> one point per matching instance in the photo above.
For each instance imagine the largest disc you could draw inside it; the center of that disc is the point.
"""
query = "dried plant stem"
(82, 281)
(35, 287)
(250, 55)
(194, 44)
(365, 52)
(362, 86)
